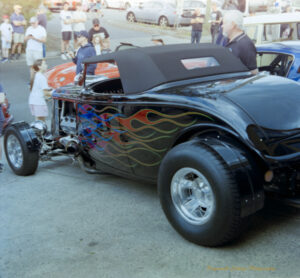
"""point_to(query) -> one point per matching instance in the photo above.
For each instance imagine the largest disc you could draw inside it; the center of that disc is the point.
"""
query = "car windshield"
(193, 4)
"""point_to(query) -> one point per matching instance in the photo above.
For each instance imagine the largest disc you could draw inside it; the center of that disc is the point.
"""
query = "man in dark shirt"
(197, 22)
(239, 43)
(97, 29)
(86, 50)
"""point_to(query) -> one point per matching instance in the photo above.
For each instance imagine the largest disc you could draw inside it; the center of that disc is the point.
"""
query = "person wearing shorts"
(35, 36)
(39, 89)
(6, 37)
(66, 30)
(18, 22)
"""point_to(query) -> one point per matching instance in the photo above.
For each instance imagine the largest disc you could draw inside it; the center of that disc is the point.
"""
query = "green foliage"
(29, 7)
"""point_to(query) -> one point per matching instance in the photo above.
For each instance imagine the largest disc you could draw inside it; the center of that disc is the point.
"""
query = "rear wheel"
(20, 159)
(199, 196)
(163, 21)
(131, 17)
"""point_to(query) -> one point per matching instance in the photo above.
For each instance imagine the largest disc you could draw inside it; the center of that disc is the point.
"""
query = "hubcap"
(131, 17)
(14, 151)
(163, 22)
(192, 196)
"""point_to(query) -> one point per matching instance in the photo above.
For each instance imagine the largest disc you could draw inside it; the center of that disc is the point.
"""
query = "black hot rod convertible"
(193, 119)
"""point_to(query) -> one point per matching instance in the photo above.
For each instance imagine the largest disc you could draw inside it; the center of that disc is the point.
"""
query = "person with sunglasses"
(98, 30)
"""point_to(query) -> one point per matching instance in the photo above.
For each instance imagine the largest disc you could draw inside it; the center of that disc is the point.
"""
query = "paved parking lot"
(62, 222)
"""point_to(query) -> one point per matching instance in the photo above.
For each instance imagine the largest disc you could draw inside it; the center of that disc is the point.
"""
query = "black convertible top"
(146, 67)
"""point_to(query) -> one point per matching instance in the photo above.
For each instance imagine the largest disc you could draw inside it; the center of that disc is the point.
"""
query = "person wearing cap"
(99, 31)
(6, 37)
(66, 30)
(18, 23)
(86, 50)
(35, 36)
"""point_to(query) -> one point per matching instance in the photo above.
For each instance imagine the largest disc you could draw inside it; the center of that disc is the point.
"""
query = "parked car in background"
(57, 5)
(118, 4)
(280, 58)
(164, 13)
(190, 118)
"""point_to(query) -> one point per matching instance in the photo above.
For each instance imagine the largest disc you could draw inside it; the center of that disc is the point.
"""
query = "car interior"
(107, 86)
(275, 63)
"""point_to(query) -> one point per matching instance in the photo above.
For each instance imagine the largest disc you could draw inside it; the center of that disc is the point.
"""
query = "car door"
(100, 132)
(141, 11)
(154, 11)
(150, 128)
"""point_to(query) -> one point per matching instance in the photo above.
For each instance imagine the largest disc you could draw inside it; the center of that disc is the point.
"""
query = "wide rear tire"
(199, 195)
(21, 160)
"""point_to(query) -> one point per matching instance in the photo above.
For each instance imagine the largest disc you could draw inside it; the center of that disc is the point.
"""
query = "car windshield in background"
(193, 4)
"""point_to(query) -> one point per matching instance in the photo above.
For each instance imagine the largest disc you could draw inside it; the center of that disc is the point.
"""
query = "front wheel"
(20, 159)
(131, 17)
(198, 195)
(163, 21)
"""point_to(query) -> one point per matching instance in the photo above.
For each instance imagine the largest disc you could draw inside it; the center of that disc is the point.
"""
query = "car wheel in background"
(21, 160)
(199, 195)
(163, 21)
(131, 17)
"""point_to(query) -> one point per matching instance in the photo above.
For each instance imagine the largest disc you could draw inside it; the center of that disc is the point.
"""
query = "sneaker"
(1, 167)
(4, 60)
(18, 56)
(12, 57)
(63, 56)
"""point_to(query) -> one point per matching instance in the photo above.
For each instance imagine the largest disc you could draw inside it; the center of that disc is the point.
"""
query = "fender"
(28, 135)
(244, 170)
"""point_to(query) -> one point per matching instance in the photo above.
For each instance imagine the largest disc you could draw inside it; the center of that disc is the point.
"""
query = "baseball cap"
(33, 19)
(96, 21)
(83, 34)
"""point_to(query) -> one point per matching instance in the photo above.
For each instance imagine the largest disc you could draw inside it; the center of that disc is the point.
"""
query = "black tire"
(163, 21)
(131, 17)
(29, 162)
(223, 222)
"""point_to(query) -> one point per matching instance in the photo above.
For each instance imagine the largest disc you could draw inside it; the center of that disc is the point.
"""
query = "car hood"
(271, 102)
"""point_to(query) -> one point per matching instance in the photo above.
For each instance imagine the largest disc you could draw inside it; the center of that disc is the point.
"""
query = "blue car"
(280, 58)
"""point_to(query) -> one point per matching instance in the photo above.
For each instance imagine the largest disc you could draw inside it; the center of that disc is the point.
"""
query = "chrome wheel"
(14, 151)
(131, 17)
(163, 22)
(192, 196)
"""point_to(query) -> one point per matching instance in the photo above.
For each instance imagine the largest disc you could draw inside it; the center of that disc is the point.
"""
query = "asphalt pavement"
(62, 222)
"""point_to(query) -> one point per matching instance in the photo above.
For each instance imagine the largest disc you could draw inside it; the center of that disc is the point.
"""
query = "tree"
(29, 8)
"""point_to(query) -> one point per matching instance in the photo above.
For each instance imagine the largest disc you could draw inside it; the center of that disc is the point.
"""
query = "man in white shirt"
(66, 30)
(35, 36)
(79, 20)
